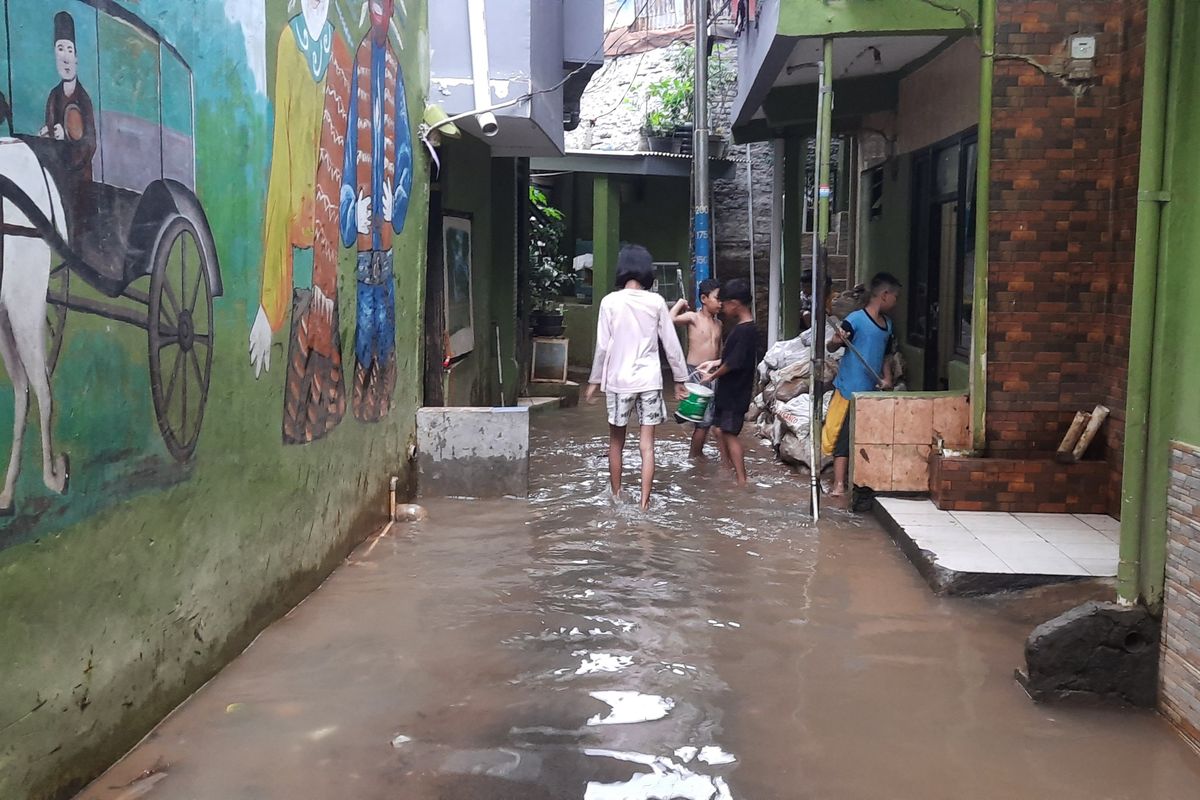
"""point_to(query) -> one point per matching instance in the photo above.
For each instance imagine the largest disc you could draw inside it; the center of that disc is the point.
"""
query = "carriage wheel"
(180, 324)
(56, 314)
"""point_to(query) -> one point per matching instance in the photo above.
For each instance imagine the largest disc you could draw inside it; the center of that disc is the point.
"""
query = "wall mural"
(106, 245)
(341, 169)
(98, 194)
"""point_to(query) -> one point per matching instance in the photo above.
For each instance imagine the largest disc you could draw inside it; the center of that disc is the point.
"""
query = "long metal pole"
(750, 215)
(774, 277)
(702, 221)
(820, 239)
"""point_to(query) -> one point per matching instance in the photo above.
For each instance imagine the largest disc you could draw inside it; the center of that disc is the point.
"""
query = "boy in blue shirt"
(870, 331)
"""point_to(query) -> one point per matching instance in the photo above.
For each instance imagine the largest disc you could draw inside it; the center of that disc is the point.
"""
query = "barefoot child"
(869, 330)
(626, 365)
(735, 375)
(704, 344)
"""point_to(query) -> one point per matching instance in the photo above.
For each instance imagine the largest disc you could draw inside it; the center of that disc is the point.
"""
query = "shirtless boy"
(704, 344)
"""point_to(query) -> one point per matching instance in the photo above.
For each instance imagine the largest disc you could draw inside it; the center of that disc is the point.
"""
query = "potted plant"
(668, 106)
(548, 265)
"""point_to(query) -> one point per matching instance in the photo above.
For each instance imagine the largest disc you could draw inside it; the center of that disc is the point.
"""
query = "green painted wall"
(794, 260)
(126, 593)
(655, 213)
(1175, 383)
(885, 248)
(474, 379)
(842, 17)
(652, 211)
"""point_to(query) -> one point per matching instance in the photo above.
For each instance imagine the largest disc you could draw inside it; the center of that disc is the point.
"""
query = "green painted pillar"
(503, 297)
(794, 150)
(606, 233)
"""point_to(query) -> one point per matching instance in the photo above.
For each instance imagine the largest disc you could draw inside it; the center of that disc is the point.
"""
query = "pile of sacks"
(782, 407)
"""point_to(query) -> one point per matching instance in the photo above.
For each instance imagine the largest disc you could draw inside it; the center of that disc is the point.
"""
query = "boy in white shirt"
(626, 365)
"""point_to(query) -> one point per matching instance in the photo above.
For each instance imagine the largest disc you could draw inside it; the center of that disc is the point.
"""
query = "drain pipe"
(480, 68)
(979, 303)
(1151, 197)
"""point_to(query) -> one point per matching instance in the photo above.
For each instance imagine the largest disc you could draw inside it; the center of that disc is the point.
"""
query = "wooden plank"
(1093, 427)
(1066, 449)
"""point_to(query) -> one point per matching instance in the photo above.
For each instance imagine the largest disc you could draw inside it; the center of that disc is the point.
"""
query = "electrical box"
(1083, 48)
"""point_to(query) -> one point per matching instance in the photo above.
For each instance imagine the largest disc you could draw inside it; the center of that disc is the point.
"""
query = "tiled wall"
(1180, 668)
(893, 436)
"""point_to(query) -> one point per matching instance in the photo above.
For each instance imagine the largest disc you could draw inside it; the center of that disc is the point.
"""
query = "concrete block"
(473, 452)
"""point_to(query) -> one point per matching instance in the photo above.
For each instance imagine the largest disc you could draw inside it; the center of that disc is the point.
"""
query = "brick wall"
(1063, 194)
(1180, 668)
(1015, 485)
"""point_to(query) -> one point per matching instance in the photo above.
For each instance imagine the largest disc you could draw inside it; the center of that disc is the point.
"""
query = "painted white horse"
(23, 329)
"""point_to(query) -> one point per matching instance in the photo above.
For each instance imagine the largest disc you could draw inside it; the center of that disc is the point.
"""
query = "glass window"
(947, 171)
(132, 113)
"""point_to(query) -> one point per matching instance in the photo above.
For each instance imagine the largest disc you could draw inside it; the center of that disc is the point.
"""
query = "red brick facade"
(1063, 195)
(1018, 485)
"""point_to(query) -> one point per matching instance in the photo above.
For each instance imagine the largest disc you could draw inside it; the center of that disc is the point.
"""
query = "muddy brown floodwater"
(567, 646)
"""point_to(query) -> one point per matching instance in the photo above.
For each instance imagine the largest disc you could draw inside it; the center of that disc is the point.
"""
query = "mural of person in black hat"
(69, 114)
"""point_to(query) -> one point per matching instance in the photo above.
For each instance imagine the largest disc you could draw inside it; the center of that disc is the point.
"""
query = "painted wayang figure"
(376, 185)
(70, 117)
(312, 88)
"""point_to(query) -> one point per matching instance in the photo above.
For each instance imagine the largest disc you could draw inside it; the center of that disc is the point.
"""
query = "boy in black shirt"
(736, 373)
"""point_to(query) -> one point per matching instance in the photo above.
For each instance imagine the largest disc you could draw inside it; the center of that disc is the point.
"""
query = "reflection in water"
(570, 646)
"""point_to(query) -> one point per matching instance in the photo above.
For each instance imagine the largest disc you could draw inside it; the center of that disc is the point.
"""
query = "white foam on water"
(603, 662)
(399, 740)
(715, 756)
(667, 779)
(631, 707)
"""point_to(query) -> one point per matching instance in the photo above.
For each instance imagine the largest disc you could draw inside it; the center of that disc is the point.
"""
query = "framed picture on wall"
(460, 303)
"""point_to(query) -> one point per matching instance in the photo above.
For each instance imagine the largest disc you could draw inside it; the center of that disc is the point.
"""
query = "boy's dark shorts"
(841, 447)
(730, 420)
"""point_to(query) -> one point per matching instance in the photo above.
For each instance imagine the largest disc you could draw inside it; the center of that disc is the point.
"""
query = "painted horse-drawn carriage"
(99, 213)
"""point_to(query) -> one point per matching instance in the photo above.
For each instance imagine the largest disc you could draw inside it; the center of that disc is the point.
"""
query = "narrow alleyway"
(567, 647)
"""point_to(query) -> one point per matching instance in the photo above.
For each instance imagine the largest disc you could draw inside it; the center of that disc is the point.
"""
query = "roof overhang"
(872, 38)
(625, 162)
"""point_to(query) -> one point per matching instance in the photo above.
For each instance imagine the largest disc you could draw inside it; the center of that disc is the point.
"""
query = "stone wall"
(613, 108)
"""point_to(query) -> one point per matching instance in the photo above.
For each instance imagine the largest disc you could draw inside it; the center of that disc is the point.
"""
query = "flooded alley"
(569, 646)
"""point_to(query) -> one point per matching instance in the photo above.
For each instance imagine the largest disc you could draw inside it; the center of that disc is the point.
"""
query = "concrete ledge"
(976, 554)
(473, 452)
(567, 392)
(954, 582)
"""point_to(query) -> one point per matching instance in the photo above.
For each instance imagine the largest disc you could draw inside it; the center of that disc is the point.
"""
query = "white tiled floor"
(1019, 544)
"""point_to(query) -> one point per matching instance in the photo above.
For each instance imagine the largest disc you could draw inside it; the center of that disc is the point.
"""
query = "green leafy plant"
(669, 100)
(549, 267)
(669, 105)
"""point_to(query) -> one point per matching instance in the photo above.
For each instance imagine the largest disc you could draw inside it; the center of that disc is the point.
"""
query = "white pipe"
(480, 68)
(774, 279)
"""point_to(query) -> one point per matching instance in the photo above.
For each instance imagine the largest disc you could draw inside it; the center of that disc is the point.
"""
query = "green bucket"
(695, 405)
